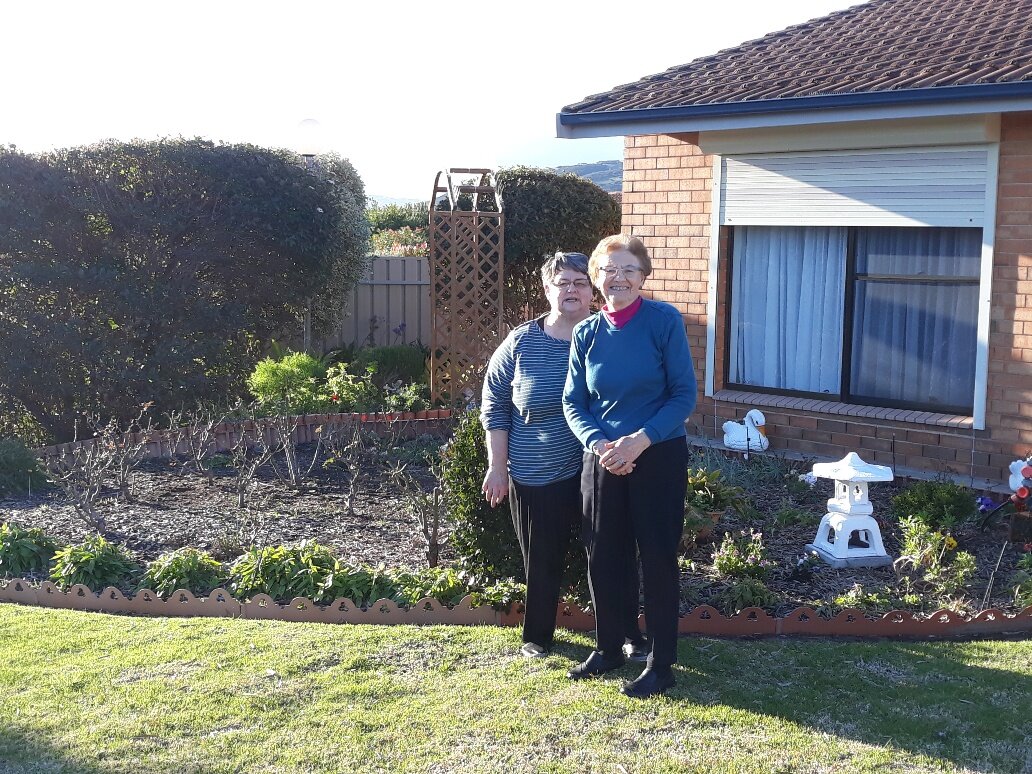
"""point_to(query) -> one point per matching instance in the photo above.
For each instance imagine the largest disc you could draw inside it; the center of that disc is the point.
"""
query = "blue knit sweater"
(639, 377)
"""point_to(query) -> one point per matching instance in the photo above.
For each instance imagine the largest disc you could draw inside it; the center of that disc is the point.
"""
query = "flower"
(1028, 547)
(951, 542)
(335, 398)
(809, 479)
(985, 504)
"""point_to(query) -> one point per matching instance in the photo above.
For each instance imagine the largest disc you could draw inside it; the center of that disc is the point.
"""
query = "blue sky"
(388, 82)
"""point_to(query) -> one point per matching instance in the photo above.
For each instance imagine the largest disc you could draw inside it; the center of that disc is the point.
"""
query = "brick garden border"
(703, 620)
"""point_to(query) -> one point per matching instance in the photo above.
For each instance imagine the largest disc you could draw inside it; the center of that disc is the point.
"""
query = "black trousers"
(546, 519)
(643, 509)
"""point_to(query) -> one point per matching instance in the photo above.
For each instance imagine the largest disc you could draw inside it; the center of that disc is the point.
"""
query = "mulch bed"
(171, 509)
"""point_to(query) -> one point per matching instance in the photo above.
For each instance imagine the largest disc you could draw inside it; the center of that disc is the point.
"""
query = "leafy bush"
(405, 242)
(153, 270)
(483, 537)
(284, 572)
(406, 397)
(940, 504)
(707, 492)
(350, 392)
(19, 468)
(743, 593)
(931, 560)
(24, 551)
(95, 563)
(742, 557)
(396, 216)
(191, 569)
(291, 385)
(392, 363)
(1022, 581)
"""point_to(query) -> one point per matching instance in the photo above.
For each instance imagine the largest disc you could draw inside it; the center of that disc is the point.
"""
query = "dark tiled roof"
(881, 46)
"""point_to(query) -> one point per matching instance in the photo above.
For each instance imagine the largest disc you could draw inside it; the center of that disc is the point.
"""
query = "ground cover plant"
(110, 694)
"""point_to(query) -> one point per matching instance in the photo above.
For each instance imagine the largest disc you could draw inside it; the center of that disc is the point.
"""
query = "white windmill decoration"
(848, 535)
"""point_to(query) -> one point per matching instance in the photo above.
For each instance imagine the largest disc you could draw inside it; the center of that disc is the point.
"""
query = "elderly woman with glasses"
(533, 457)
(631, 386)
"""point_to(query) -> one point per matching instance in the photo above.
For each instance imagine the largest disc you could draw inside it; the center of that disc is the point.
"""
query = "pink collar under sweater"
(620, 317)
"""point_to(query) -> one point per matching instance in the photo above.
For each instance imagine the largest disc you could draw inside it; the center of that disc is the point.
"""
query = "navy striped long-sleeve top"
(523, 393)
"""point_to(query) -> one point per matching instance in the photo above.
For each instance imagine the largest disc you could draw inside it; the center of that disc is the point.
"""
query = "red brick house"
(843, 212)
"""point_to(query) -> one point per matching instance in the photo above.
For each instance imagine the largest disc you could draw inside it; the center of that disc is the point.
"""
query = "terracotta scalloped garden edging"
(702, 620)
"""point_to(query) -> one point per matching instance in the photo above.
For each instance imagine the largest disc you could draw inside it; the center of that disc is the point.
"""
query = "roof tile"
(882, 45)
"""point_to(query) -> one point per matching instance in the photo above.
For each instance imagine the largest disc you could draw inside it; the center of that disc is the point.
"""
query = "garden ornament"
(848, 536)
(1020, 481)
(748, 435)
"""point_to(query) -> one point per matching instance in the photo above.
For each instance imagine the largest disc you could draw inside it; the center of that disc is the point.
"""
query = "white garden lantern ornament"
(848, 535)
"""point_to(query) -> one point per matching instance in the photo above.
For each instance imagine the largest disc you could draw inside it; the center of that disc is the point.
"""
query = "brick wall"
(667, 195)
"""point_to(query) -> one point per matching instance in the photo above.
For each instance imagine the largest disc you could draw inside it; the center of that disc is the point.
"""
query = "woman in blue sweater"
(630, 387)
(534, 459)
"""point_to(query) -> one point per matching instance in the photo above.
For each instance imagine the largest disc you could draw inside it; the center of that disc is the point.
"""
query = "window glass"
(786, 307)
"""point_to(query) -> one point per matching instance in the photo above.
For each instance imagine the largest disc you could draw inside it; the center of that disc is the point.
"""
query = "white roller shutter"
(893, 187)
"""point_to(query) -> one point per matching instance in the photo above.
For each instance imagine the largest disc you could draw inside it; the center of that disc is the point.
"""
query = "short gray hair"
(561, 262)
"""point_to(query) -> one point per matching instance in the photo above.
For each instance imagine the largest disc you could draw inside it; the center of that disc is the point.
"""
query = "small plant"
(787, 516)
(875, 601)
(346, 391)
(708, 492)
(284, 572)
(428, 508)
(743, 556)
(186, 568)
(290, 385)
(19, 469)
(24, 551)
(743, 593)
(1022, 579)
(95, 563)
(930, 562)
(80, 472)
(406, 397)
(193, 435)
(940, 504)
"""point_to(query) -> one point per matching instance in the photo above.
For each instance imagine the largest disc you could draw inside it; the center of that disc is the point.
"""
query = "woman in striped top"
(533, 457)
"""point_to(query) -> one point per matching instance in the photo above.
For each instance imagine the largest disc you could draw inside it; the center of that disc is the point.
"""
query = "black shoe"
(649, 683)
(636, 650)
(596, 664)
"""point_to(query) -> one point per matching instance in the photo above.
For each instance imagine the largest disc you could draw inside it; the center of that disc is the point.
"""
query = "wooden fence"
(390, 305)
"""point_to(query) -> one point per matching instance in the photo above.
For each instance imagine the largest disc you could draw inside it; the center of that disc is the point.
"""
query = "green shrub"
(290, 385)
(743, 593)
(708, 492)
(24, 551)
(191, 569)
(940, 504)
(284, 572)
(743, 556)
(402, 362)
(394, 216)
(1022, 581)
(407, 397)
(404, 242)
(483, 537)
(931, 560)
(19, 468)
(350, 392)
(95, 563)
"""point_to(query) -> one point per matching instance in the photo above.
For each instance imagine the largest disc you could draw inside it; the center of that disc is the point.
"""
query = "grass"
(89, 693)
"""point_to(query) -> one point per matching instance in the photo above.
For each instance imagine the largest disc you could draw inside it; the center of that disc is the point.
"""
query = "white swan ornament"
(748, 435)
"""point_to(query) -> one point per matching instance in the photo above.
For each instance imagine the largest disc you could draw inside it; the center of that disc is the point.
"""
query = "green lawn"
(82, 692)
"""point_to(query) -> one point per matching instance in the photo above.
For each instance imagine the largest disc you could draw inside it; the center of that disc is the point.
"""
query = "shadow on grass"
(916, 696)
(21, 753)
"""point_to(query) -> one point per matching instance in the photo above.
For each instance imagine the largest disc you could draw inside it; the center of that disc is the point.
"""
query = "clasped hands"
(618, 456)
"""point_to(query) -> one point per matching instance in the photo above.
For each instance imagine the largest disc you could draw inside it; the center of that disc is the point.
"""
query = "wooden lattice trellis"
(467, 273)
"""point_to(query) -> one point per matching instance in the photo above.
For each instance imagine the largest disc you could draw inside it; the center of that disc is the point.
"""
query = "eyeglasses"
(627, 271)
(576, 284)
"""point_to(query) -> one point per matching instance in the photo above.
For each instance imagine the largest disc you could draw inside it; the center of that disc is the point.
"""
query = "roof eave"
(908, 103)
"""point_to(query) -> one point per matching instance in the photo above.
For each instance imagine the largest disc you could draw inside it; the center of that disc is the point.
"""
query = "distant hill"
(607, 175)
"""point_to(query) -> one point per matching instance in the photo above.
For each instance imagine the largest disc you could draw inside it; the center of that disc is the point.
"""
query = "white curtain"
(915, 342)
(787, 292)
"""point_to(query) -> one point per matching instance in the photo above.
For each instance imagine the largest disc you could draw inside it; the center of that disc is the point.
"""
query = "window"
(882, 316)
